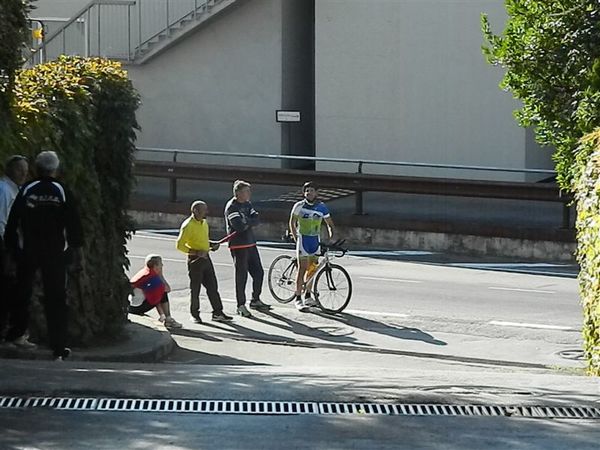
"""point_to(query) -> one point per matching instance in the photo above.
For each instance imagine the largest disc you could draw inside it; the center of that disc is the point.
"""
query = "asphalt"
(117, 371)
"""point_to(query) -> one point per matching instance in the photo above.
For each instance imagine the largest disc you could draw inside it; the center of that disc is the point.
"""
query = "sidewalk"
(445, 384)
(145, 341)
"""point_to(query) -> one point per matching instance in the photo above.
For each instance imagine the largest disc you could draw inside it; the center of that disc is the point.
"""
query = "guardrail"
(358, 182)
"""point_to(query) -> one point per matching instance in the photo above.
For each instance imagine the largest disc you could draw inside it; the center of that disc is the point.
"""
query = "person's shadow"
(304, 330)
(399, 332)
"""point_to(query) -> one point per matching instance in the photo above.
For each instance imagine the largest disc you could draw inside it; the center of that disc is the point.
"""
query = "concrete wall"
(298, 79)
(401, 80)
(405, 80)
(219, 88)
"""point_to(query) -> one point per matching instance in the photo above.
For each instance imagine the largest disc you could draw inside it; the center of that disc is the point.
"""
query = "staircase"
(132, 31)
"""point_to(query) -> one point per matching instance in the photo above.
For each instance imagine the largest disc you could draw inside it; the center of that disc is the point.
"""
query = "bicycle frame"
(325, 260)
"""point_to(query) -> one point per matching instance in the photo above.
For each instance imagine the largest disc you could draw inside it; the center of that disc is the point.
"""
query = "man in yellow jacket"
(193, 240)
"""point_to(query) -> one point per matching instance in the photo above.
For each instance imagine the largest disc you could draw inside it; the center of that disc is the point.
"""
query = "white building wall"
(218, 89)
(405, 80)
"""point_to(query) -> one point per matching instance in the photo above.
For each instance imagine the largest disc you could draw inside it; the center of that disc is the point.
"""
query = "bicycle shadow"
(304, 330)
(399, 332)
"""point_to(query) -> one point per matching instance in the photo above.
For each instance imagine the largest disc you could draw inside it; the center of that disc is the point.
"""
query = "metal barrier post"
(358, 197)
(173, 184)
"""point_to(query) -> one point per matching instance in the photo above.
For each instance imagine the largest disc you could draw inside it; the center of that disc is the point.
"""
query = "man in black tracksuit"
(240, 218)
(43, 227)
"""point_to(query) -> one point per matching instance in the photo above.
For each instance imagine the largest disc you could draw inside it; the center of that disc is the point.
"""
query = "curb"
(145, 342)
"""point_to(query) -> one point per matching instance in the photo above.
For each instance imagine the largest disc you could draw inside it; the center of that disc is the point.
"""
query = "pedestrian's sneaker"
(221, 317)
(300, 306)
(259, 304)
(172, 323)
(196, 319)
(243, 311)
(22, 342)
(62, 355)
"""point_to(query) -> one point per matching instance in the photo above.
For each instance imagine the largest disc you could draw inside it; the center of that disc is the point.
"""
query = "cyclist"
(305, 227)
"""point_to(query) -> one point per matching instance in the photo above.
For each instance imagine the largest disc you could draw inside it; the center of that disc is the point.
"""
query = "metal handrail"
(172, 17)
(77, 17)
(360, 162)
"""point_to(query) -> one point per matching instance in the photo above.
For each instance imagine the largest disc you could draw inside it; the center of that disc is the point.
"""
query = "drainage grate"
(295, 408)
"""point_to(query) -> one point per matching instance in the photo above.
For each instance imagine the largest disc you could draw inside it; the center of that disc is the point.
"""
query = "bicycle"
(332, 287)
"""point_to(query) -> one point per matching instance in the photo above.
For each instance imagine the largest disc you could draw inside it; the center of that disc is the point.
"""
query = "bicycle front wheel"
(333, 288)
(282, 278)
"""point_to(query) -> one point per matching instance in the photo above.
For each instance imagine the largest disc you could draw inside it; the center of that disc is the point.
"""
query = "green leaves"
(551, 52)
(84, 109)
(549, 48)
(588, 245)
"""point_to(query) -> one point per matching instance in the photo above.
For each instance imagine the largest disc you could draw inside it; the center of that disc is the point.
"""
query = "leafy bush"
(588, 249)
(13, 29)
(84, 109)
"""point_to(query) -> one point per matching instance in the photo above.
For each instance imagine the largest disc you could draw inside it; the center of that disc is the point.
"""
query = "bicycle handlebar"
(335, 246)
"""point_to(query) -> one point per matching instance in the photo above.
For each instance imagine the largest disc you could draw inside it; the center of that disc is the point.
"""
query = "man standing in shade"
(240, 219)
(15, 174)
(43, 227)
(193, 240)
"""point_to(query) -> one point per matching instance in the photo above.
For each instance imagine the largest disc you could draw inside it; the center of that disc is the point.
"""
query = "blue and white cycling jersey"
(309, 217)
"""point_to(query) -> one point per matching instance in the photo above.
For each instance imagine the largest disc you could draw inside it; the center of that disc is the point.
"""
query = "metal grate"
(295, 408)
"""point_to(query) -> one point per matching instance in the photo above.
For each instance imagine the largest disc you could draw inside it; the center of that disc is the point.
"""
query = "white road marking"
(531, 325)
(390, 253)
(178, 260)
(509, 265)
(397, 280)
(536, 291)
(374, 313)
(155, 238)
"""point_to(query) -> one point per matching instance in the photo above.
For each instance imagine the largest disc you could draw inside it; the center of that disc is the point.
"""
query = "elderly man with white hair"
(43, 226)
(15, 174)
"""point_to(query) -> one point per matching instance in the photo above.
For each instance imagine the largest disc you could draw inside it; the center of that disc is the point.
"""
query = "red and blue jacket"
(151, 284)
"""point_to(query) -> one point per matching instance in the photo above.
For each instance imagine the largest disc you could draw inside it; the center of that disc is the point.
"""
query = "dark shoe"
(221, 317)
(259, 304)
(196, 319)
(243, 311)
(64, 354)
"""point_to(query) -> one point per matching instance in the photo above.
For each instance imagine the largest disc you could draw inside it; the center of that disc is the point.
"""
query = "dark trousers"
(7, 290)
(53, 270)
(247, 260)
(202, 273)
(142, 309)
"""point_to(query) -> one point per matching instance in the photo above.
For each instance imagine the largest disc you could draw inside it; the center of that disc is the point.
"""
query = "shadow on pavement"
(413, 334)
(304, 330)
(187, 356)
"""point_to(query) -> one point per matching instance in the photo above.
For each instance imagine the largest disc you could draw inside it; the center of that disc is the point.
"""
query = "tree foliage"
(551, 52)
(84, 109)
(13, 33)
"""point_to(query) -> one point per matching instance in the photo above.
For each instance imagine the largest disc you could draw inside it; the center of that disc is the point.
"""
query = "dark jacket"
(241, 217)
(43, 220)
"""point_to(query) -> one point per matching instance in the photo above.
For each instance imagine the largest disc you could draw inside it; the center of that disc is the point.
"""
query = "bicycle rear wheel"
(282, 278)
(333, 288)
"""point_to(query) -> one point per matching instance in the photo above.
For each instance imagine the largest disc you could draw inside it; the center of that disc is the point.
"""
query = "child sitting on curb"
(150, 290)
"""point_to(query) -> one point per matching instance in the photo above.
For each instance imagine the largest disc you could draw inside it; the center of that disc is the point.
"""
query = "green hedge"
(587, 192)
(84, 109)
